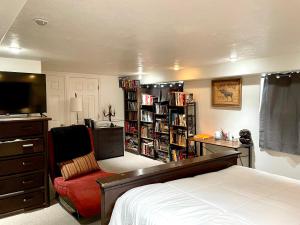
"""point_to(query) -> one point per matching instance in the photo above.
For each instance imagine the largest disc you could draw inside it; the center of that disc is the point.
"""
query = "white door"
(87, 89)
(55, 100)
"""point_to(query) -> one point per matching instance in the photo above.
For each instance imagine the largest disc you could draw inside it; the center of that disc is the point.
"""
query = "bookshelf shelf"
(183, 146)
(164, 133)
(146, 122)
(130, 133)
(133, 150)
(178, 126)
(162, 150)
(146, 138)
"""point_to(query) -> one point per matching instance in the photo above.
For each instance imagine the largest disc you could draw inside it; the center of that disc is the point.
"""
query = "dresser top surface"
(23, 119)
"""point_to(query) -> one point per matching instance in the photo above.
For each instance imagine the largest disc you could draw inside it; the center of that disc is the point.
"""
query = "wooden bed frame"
(113, 187)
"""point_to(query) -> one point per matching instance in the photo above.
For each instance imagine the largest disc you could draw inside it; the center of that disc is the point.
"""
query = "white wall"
(211, 119)
(20, 65)
(109, 93)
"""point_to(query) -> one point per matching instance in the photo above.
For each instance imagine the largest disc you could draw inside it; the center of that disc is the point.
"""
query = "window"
(280, 113)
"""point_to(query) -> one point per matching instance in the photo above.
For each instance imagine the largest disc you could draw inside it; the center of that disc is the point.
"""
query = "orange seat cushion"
(83, 192)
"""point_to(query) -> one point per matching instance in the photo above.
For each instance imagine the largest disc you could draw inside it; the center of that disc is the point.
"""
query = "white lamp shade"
(76, 104)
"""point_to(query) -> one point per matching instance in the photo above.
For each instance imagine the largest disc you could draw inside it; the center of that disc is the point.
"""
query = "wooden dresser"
(109, 142)
(23, 164)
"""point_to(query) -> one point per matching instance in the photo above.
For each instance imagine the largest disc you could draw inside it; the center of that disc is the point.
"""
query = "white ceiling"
(113, 36)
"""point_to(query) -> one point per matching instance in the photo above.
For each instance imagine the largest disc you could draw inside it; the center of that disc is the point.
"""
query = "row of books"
(163, 156)
(146, 116)
(161, 109)
(131, 142)
(130, 127)
(161, 126)
(131, 95)
(162, 143)
(147, 99)
(178, 137)
(178, 154)
(132, 106)
(178, 119)
(177, 98)
(132, 115)
(147, 148)
(129, 84)
(147, 131)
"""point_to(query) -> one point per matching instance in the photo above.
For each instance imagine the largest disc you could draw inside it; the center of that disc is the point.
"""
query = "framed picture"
(227, 92)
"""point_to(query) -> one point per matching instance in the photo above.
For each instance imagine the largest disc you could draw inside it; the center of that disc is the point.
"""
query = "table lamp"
(76, 105)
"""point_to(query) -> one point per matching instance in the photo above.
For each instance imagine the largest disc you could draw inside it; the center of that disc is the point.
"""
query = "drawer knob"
(26, 163)
(27, 146)
(27, 181)
(26, 199)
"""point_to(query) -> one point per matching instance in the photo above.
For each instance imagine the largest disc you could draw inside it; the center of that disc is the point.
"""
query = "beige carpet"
(56, 215)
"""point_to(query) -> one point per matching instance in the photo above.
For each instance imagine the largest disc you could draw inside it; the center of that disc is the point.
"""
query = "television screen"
(22, 93)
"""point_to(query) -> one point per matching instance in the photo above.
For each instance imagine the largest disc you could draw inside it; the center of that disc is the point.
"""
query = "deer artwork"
(226, 94)
(109, 114)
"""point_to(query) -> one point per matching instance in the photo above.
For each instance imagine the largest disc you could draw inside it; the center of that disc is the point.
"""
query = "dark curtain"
(280, 113)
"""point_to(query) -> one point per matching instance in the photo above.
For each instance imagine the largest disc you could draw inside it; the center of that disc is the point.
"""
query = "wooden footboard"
(114, 186)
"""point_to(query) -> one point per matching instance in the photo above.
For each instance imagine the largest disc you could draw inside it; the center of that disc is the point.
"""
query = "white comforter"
(234, 196)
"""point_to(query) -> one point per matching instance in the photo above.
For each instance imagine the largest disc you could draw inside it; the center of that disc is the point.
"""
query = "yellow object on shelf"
(203, 136)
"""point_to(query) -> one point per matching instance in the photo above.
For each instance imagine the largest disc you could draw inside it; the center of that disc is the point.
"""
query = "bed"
(224, 194)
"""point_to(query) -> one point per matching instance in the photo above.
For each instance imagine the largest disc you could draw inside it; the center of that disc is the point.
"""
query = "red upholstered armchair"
(82, 192)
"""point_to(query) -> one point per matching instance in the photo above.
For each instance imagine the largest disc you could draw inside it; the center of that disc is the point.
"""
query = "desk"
(222, 143)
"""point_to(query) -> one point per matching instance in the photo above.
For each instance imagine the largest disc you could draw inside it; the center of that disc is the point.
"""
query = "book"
(147, 99)
(146, 116)
(147, 148)
(178, 155)
(129, 84)
(132, 106)
(147, 131)
(178, 137)
(161, 126)
(178, 119)
(177, 99)
(130, 127)
(131, 95)
(161, 109)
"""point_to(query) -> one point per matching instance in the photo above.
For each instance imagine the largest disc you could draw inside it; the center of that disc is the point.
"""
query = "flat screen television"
(22, 93)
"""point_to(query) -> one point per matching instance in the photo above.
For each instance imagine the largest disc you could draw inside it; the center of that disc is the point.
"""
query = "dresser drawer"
(25, 164)
(21, 147)
(23, 201)
(21, 129)
(21, 183)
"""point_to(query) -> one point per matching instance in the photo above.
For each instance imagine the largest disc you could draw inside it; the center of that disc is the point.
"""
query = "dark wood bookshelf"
(131, 114)
(157, 132)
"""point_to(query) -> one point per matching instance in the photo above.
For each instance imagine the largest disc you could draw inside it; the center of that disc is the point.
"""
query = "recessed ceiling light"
(233, 58)
(40, 21)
